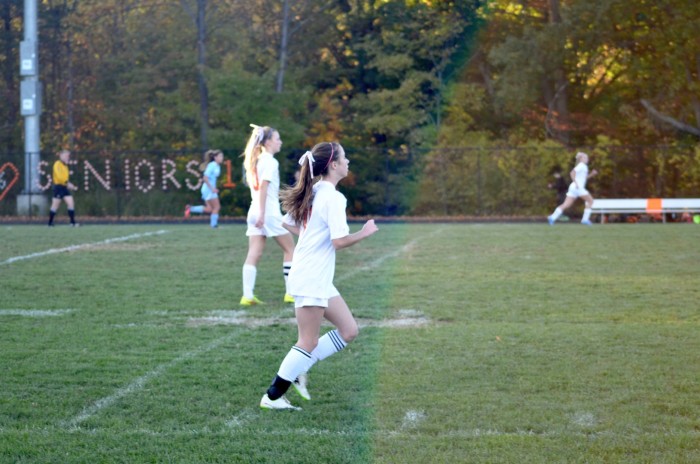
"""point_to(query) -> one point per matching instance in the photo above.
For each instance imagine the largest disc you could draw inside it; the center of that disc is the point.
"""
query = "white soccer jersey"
(267, 169)
(581, 175)
(313, 264)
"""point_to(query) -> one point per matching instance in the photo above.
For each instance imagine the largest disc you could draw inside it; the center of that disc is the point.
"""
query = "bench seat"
(661, 206)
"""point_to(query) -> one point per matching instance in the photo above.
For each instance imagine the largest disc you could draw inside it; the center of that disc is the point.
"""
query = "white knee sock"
(557, 212)
(586, 214)
(213, 220)
(329, 344)
(299, 361)
(197, 209)
(249, 274)
(286, 266)
(296, 362)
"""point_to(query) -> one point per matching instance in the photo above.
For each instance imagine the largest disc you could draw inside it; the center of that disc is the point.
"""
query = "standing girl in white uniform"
(210, 193)
(316, 212)
(264, 215)
(577, 189)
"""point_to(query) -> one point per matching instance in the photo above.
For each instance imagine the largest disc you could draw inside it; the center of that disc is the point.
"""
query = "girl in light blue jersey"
(210, 193)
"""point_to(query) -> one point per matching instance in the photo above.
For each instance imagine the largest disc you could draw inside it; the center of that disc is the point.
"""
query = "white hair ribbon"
(308, 156)
(259, 133)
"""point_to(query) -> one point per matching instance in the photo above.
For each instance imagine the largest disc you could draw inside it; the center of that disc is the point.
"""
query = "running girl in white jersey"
(316, 212)
(577, 189)
(264, 215)
(210, 193)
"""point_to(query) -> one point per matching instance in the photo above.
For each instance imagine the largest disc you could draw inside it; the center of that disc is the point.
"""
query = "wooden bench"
(660, 206)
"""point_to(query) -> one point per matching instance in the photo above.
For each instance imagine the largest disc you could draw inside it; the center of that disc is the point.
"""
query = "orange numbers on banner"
(229, 183)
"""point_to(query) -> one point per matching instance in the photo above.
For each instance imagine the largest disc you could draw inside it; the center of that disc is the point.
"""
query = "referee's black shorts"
(60, 191)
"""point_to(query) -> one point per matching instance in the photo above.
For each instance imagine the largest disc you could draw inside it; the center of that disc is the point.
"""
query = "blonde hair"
(297, 199)
(580, 155)
(253, 148)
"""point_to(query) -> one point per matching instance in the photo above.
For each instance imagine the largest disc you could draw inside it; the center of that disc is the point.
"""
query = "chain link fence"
(474, 181)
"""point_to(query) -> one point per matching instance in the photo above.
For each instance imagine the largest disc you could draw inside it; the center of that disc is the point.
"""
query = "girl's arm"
(572, 174)
(262, 200)
(211, 187)
(205, 178)
(591, 174)
(293, 229)
(368, 229)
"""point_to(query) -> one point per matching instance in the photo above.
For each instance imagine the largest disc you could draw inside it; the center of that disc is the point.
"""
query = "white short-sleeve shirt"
(313, 264)
(267, 170)
(581, 176)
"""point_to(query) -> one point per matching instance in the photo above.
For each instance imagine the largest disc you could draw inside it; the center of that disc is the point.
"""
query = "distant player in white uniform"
(211, 167)
(264, 215)
(577, 189)
(316, 212)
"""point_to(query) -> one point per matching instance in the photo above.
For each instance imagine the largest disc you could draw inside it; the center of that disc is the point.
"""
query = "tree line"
(400, 83)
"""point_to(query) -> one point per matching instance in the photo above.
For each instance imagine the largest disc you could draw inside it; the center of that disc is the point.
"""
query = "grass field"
(479, 344)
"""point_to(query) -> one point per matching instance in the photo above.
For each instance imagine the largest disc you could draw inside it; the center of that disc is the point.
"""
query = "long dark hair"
(207, 158)
(297, 199)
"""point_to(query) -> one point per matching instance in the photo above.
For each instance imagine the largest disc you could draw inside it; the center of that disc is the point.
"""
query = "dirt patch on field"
(405, 318)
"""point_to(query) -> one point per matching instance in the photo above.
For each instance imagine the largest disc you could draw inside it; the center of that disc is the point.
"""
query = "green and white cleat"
(300, 386)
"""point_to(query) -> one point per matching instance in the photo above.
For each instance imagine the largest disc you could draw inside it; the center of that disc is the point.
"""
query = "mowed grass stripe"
(90, 414)
(532, 341)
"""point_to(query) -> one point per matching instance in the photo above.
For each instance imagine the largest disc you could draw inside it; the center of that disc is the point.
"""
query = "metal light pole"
(31, 199)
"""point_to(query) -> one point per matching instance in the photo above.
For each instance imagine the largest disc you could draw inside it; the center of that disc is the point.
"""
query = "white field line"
(108, 241)
(139, 383)
(379, 261)
(235, 426)
(35, 312)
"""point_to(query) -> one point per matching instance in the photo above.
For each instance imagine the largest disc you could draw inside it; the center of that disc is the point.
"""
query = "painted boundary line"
(379, 261)
(78, 247)
(35, 312)
(237, 425)
(139, 383)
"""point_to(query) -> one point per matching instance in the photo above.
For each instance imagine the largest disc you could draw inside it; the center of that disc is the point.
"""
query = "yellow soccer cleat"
(250, 301)
(288, 298)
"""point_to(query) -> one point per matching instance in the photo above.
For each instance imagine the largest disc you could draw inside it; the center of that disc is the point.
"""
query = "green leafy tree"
(10, 15)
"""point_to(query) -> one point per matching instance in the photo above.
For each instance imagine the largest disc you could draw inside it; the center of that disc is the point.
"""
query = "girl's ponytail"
(297, 200)
(252, 151)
